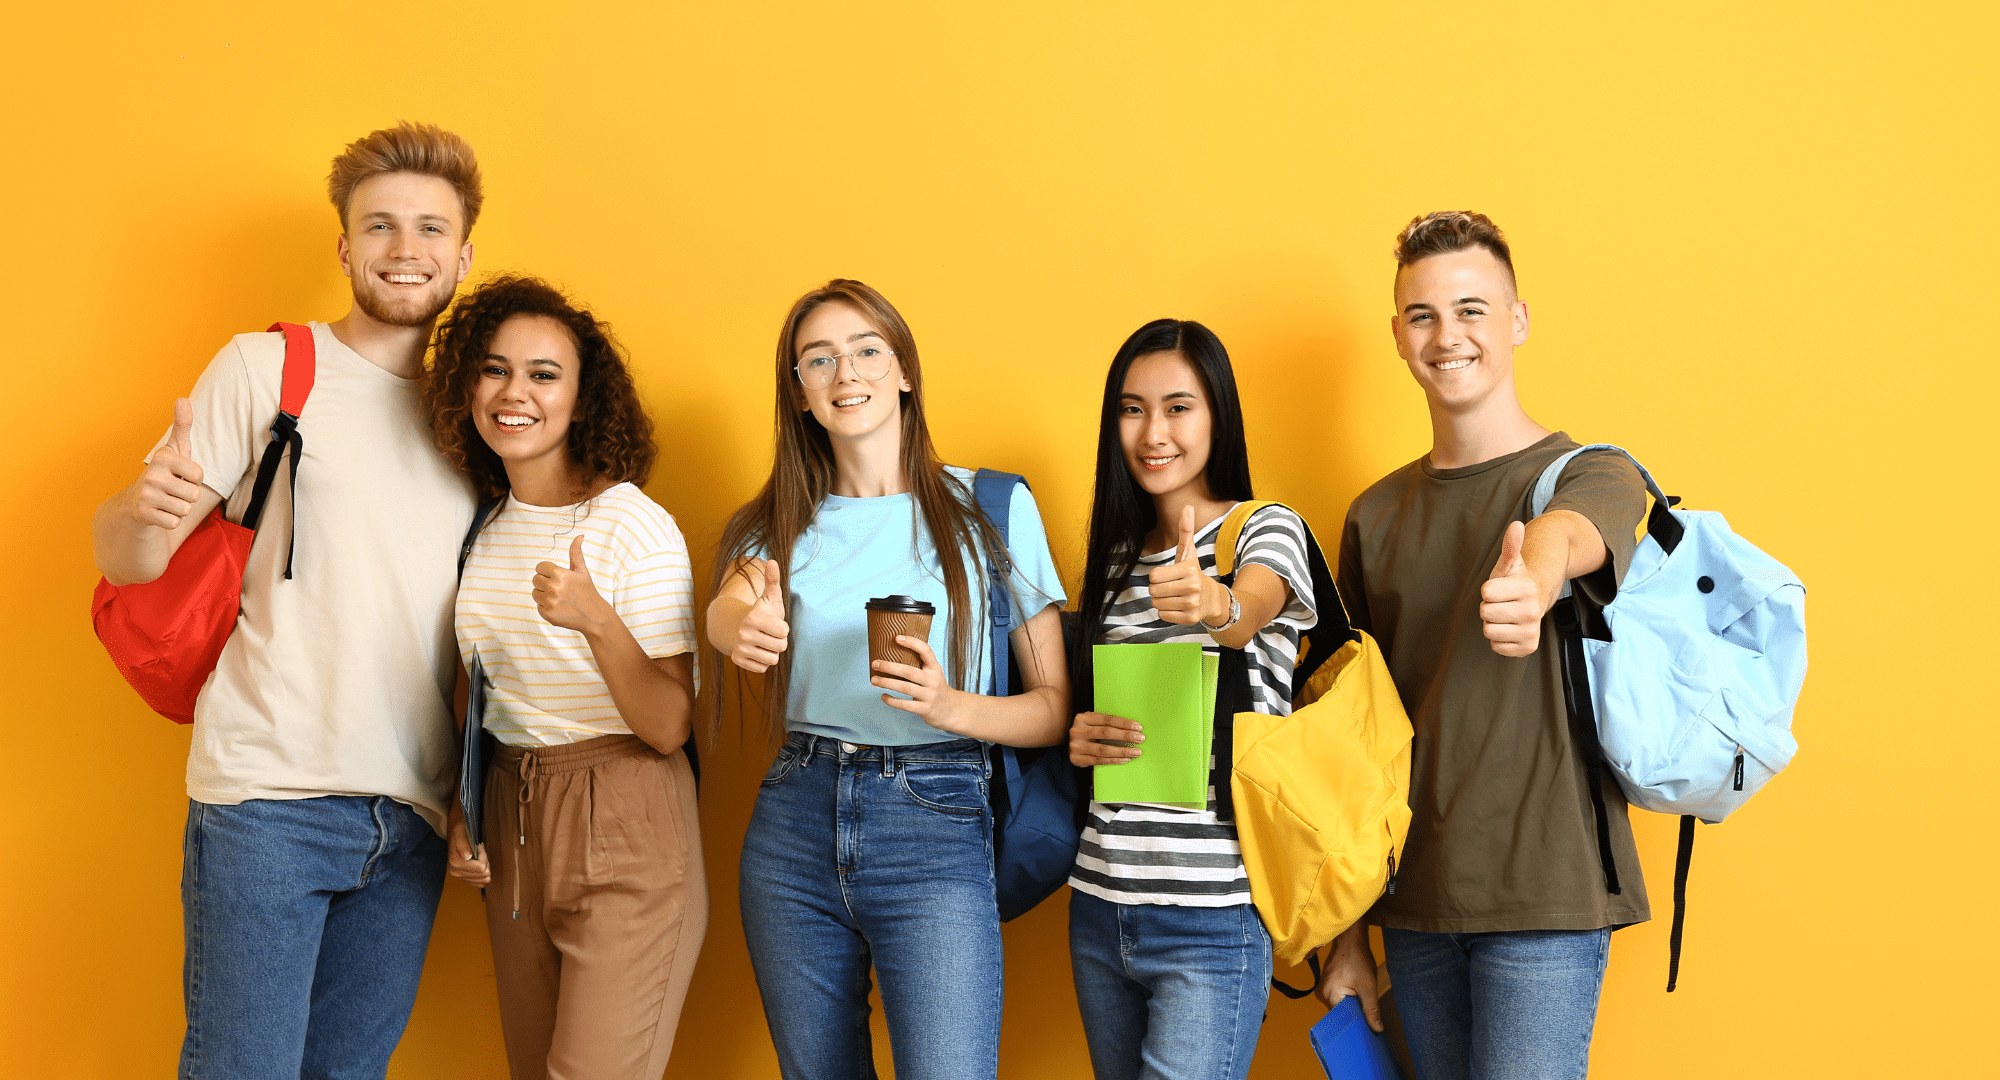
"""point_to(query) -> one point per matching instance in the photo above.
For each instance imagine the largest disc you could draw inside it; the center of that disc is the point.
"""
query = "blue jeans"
(1514, 1005)
(307, 921)
(1169, 993)
(884, 856)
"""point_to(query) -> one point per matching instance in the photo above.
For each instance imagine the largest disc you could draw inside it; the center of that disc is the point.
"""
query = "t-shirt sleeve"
(1348, 578)
(656, 590)
(227, 429)
(1605, 487)
(1275, 538)
(1034, 584)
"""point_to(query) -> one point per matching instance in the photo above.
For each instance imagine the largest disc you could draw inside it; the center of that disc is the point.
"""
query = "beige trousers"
(597, 906)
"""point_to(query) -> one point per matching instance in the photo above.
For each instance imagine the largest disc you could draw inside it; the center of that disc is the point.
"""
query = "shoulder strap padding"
(301, 364)
(993, 491)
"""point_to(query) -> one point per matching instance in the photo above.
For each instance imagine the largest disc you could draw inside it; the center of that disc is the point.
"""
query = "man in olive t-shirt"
(1499, 925)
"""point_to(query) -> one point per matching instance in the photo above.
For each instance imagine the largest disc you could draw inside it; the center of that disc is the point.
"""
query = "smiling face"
(1165, 424)
(525, 396)
(1457, 322)
(850, 406)
(405, 248)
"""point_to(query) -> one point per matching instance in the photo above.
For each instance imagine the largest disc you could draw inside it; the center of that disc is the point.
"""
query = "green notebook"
(1170, 690)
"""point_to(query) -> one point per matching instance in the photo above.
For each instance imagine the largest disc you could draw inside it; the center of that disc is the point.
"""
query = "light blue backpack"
(1688, 677)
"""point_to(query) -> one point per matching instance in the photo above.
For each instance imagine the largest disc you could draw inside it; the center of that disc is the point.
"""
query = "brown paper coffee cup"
(889, 616)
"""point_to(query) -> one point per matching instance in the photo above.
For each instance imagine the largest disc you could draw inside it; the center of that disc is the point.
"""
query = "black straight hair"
(1121, 513)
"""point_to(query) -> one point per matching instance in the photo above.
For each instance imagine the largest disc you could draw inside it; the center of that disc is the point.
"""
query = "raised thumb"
(773, 588)
(1510, 551)
(180, 440)
(576, 554)
(1186, 553)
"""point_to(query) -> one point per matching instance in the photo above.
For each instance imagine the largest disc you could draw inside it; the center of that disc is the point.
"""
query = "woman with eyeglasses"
(1171, 961)
(871, 842)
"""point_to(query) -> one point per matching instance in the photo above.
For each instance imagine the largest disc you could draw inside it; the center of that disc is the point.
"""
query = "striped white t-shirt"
(544, 686)
(1145, 853)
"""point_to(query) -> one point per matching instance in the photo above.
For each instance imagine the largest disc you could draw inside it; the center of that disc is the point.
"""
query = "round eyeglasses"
(818, 368)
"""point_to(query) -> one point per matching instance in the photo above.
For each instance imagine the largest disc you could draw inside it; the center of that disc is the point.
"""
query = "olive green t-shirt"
(1502, 835)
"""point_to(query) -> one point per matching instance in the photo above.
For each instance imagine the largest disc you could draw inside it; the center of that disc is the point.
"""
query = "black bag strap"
(301, 365)
(1683, 858)
(1330, 631)
(479, 517)
(1570, 619)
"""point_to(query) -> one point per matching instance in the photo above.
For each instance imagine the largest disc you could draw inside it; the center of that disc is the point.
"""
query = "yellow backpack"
(1321, 797)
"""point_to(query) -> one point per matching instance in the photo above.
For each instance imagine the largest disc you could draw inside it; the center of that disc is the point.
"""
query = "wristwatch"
(1235, 613)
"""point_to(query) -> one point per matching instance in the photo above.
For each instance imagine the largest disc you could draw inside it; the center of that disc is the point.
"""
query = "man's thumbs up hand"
(567, 597)
(1181, 593)
(1511, 604)
(763, 634)
(167, 490)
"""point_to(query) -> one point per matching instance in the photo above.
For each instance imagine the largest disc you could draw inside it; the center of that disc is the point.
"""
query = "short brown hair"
(425, 149)
(610, 436)
(1442, 232)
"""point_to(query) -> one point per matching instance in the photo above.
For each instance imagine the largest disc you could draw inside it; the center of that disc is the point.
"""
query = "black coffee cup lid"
(901, 603)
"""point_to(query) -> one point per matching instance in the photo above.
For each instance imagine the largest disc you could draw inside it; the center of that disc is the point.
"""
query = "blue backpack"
(1037, 795)
(1687, 679)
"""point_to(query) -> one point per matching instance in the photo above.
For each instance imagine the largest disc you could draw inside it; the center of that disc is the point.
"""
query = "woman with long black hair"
(1172, 964)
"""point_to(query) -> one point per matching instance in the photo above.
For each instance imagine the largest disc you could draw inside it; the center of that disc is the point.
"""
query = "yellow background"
(1755, 239)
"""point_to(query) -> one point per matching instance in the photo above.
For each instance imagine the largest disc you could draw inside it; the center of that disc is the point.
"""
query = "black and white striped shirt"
(1144, 853)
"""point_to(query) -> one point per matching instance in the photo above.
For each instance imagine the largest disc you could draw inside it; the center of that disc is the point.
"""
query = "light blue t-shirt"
(859, 549)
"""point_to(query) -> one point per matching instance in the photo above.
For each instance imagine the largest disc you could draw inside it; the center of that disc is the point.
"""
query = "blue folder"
(1348, 1049)
(475, 750)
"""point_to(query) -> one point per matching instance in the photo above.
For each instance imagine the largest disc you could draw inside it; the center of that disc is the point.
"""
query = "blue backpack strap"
(1660, 523)
(994, 492)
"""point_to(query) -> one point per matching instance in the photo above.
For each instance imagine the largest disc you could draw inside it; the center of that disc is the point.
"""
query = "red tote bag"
(166, 635)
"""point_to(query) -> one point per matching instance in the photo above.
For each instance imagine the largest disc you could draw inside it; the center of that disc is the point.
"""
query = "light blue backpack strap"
(1545, 484)
(994, 492)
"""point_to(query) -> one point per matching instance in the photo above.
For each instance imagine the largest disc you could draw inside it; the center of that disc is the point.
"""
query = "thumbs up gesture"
(1511, 604)
(567, 597)
(167, 490)
(1181, 593)
(763, 634)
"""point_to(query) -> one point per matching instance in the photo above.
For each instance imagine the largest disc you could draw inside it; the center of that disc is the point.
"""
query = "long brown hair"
(802, 475)
(610, 436)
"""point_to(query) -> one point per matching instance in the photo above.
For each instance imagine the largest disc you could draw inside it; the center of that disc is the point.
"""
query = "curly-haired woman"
(577, 599)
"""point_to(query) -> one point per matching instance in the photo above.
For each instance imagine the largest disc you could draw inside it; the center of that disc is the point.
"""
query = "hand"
(462, 862)
(932, 699)
(1096, 738)
(1511, 604)
(1350, 972)
(568, 597)
(762, 636)
(1181, 593)
(167, 490)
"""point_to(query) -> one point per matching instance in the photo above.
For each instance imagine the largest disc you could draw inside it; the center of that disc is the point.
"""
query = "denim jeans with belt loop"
(881, 857)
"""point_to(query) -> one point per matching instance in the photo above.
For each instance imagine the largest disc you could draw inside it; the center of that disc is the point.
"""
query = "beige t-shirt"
(544, 688)
(338, 681)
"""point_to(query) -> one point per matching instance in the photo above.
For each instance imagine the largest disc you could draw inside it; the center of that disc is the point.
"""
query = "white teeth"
(1159, 460)
(850, 401)
(407, 279)
(515, 421)
(1453, 365)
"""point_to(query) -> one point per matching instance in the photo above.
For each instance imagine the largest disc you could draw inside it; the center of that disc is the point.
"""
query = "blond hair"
(424, 149)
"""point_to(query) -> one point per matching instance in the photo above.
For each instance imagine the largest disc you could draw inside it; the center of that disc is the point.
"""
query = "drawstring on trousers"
(527, 775)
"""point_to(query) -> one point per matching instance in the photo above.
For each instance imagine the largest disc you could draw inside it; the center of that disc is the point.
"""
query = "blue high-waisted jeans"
(1512, 1005)
(882, 856)
(307, 921)
(1169, 992)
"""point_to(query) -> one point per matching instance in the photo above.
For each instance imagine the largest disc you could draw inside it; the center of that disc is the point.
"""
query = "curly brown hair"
(610, 435)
